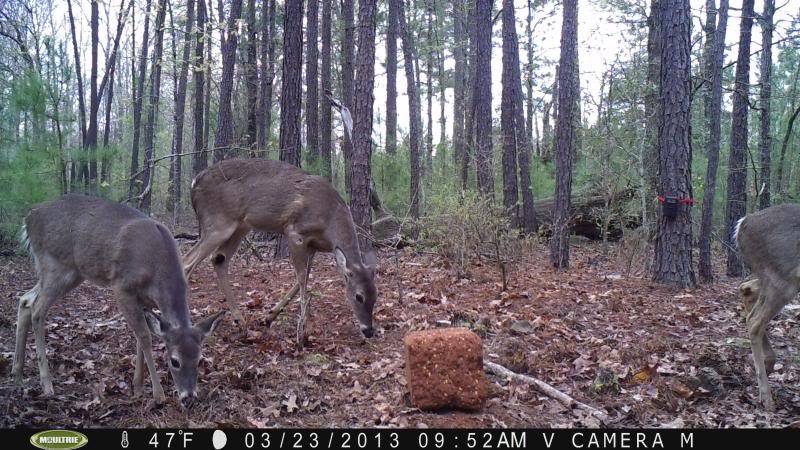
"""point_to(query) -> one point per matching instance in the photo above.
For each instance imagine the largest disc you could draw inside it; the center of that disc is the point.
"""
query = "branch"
(546, 389)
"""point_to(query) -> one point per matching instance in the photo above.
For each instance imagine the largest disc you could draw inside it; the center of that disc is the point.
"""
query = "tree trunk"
(312, 84)
(347, 72)
(152, 108)
(413, 108)
(200, 157)
(565, 136)
(706, 222)
(135, 181)
(251, 78)
(78, 73)
(429, 91)
(362, 126)
(673, 243)
(507, 114)
(709, 28)
(223, 139)
(326, 120)
(529, 77)
(180, 108)
(459, 81)
(652, 111)
(737, 164)
(483, 97)
(469, 121)
(264, 126)
(391, 79)
(765, 140)
(292, 83)
(94, 99)
(779, 184)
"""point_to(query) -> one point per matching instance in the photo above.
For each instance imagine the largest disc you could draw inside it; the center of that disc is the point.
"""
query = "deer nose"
(368, 332)
(188, 399)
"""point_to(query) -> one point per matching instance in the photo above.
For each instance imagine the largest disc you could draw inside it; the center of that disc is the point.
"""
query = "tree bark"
(78, 73)
(507, 114)
(413, 108)
(176, 168)
(292, 83)
(459, 82)
(391, 80)
(347, 72)
(565, 136)
(152, 108)
(326, 119)
(652, 111)
(251, 78)
(673, 242)
(223, 139)
(765, 139)
(94, 99)
(736, 206)
(135, 181)
(705, 269)
(362, 127)
(264, 126)
(483, 97)
(200, 157)
(312, 83)
(709, 28)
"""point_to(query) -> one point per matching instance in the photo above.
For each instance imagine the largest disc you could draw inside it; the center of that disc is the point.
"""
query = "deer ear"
(208, 325)
(341, 261)
(370, 259)
(155, 323)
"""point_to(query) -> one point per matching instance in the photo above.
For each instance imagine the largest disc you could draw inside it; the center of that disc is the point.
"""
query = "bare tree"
(565, 135)
(291, 90)
(326, 120)
(312, 82)
(765, 97)
(200, 157)
(180, 109)
(706, 223)
(264, 125)
(736, 206)
(413, 108)
(673, 242)
(483, 96)
(391, 79)
(348, 45)
(223, 139)
(250, 66)
(138, 97)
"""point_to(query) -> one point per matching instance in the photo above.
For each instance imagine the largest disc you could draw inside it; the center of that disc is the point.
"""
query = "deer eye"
(359, 298)
(174, 363)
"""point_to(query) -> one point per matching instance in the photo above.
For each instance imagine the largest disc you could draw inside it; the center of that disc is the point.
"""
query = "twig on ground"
(546, 389)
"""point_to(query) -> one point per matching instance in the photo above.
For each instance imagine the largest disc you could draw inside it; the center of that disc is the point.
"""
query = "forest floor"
(648, 355)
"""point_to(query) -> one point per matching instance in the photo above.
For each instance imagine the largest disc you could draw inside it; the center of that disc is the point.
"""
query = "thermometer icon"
(124, 443)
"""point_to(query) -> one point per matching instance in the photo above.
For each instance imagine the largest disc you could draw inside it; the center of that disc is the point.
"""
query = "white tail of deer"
(79, 238)
(236, 196)
(769, 242)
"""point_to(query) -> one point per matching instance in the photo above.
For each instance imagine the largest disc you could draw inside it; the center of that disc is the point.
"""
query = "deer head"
(183, 350)
(359, 279)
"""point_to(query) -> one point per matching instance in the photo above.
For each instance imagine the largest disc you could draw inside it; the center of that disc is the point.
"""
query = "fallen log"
(547, 390)
(588, 214)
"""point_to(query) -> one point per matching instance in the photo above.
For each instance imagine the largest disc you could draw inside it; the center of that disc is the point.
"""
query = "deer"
(236, 196)
(769, 243)
(77, 238)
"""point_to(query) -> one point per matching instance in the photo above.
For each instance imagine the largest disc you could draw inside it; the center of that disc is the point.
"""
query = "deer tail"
(736, 229)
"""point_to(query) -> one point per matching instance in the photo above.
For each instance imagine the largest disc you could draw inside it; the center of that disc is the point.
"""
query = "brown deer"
(236, 196)
(769, 242)
(77, 238)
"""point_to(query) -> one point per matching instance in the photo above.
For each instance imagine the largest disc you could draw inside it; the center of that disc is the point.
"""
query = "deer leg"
(138, 371)
(221, 260)
(301, 259)
(769, 355)
(130, 307)
(23, 325)
(770, 303)
(209, 242)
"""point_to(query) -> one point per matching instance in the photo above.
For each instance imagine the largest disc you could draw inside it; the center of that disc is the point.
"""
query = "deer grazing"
(769, 242)
(77, 238)
(236, 196)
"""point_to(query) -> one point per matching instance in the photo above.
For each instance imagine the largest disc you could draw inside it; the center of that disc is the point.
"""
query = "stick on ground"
(546, 389)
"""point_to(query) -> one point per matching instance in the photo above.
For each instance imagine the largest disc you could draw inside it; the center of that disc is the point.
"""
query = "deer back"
(769, 241)
(110, 244)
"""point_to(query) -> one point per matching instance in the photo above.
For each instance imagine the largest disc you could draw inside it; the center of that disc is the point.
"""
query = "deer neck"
(344, 235)
(173, 302)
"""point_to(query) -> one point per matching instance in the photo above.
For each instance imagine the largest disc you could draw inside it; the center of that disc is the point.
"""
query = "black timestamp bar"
(405, 439)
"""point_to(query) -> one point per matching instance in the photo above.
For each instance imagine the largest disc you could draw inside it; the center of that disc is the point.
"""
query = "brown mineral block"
(444, 369)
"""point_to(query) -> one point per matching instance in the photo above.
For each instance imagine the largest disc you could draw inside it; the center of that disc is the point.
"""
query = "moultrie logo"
(59, 440)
